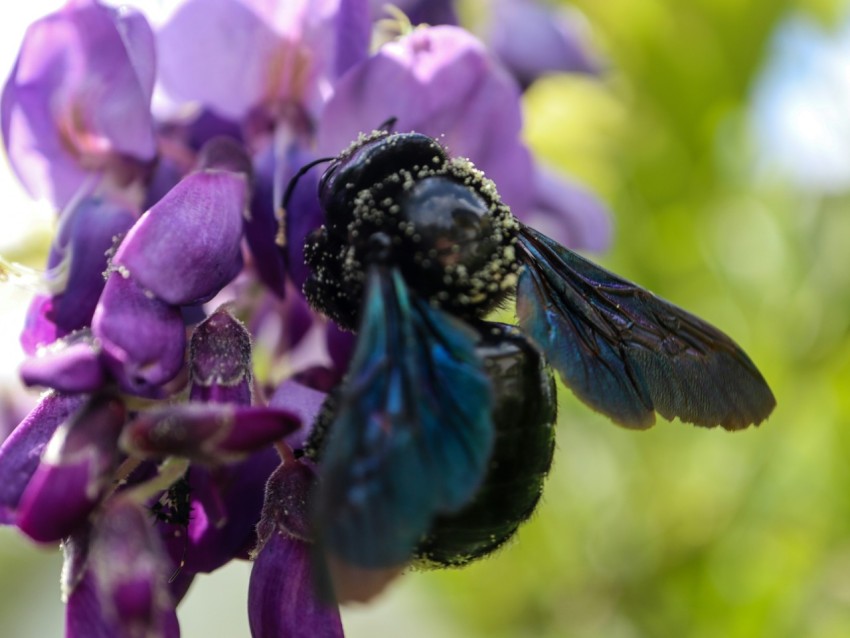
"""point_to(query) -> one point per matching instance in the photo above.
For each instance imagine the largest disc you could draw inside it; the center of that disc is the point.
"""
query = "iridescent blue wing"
(412, 432)
(629, 354)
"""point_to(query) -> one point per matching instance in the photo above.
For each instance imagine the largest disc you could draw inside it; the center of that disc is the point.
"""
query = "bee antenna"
(301, 171)
(388, 125)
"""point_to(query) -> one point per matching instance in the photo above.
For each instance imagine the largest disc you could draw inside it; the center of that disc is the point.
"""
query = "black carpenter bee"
(436, 444)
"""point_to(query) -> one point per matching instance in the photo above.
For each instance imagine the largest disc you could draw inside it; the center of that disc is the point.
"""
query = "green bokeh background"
(675, 531)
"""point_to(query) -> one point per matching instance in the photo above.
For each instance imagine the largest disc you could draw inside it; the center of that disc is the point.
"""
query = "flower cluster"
(183, 367)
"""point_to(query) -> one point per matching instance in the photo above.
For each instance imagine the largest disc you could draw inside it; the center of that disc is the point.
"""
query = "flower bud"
(209, 433)
(187, 246)
(21, 451)
(220, 360)
(143, 338)
(74, 472)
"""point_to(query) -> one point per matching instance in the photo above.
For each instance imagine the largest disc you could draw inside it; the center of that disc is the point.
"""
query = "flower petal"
(558, 36)
(78, 98)
(143, 338)
(439, 81)
(186, 248)
(78, 259)
(226, 502)
(419, 11)
(282, 598)
(22, 449)
(211, 433)
(74, 471)
(131, 569)
(39, 330)
(71, 364)
(276, 53)
(303, 401)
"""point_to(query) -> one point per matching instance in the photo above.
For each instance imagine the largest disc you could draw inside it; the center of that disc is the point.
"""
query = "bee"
(435, 445)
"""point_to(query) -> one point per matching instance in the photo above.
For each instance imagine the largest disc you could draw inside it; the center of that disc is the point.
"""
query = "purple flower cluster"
(183, 367)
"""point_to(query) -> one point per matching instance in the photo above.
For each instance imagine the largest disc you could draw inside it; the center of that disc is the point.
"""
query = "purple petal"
(439, 81)
(22, 450)
(206, 432)
(419, 11)
(261, 229)
(39, 330)
(304, 402)
(194, 66)
(78, 98)
(220, 360)
(83, 613)
(208, 125)
(569, 213)
(74, 471)
(559, 40)
(302, 216)
(143, 338)
(131, 570)
(282, 599)
(276, 53)
(186, 248)
(69, 365)
(279, 325)
(78, 258)
(226, 504)
(225, 153)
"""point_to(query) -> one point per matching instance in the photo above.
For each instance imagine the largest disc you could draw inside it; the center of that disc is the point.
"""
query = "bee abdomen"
(524, 415)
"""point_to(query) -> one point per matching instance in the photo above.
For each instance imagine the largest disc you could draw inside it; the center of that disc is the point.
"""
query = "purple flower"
(253, 55)
(77, 105)
(560, 42)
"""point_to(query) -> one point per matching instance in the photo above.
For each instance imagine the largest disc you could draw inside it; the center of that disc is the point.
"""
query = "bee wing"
(626, 352)
(412, 433)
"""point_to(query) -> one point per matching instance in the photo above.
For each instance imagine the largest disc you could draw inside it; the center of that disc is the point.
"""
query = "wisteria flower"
(184, 369)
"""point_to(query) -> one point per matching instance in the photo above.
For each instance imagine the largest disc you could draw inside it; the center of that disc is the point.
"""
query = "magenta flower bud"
(187, 246)
(78, 100)
(74, 472)
(211, 433)
(131, 570)
(220, 360)
(143, 338)
(71, 364)
(21, 451)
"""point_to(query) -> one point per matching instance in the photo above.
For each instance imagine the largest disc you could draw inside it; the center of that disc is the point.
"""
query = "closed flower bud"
(74, 472)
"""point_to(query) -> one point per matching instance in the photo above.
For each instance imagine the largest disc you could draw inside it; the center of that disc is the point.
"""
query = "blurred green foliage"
(680, 531)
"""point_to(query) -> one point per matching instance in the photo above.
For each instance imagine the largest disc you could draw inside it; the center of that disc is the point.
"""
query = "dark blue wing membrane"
(629, 354)
(412, 433)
